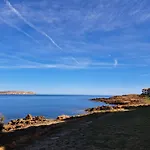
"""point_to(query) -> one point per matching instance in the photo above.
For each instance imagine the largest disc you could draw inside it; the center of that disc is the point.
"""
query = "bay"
(50, 106)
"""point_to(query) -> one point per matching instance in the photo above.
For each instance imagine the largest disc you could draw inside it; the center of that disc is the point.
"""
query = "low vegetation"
(147, 99)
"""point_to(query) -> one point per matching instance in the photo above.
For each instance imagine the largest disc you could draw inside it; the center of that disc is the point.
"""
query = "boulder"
(7, 127)
(13, 122)
(63, 117)
(28, 117)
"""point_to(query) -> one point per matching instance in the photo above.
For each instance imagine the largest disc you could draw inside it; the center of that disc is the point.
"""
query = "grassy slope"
(119, 131)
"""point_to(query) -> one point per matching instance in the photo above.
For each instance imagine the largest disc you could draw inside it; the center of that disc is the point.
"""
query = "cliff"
(16, 93)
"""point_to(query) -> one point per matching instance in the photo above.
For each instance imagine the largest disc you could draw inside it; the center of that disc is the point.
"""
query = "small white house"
(146, 91)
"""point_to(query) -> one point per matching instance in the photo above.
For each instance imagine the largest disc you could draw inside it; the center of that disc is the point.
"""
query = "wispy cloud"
(35, 28)
(115, 62)
(30, 24)
(88, 33)
(19, 29)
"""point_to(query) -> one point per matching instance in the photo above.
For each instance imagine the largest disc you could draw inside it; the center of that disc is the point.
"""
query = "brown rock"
(7, 127)
(106, 108)
(63, 117)
(40, 118)
(27, 122)
(28, 117)
(13, 122)
(18, 126)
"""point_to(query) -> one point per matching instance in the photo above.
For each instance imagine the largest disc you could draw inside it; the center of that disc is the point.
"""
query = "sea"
(50, 106)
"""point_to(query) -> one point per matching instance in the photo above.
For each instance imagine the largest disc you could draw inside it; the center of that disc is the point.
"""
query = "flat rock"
(63, 117)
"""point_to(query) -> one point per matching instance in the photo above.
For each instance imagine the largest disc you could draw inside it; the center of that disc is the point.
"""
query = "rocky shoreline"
(118, 103)
(30, 121)
(123, 102)
(32, 127)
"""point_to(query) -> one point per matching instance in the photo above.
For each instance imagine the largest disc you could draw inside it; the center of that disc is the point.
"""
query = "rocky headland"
(123, 102)
(16, 93)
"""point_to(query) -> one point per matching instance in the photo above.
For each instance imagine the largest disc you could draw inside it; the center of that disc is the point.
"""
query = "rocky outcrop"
(16, 93)
(24, 122)
(30, 120)
(130, 99)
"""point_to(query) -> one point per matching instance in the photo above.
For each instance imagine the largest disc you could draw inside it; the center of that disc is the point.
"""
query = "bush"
(2, 118)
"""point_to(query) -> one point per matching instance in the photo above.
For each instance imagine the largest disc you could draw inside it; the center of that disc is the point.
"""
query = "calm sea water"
(50, 106)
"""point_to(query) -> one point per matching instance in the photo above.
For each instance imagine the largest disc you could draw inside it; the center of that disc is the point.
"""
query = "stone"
(106, 108)
(27, 122)
(13, 122)
(18, 126)
(63, 117)
(39, 118)
(28, 117)
(7, 127)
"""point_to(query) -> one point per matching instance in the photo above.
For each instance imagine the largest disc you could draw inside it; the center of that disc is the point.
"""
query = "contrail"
(18, 29)
(35, 28)
(29, 23)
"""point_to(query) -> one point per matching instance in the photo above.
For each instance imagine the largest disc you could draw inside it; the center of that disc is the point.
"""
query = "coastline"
(115, 104)
(43, 125)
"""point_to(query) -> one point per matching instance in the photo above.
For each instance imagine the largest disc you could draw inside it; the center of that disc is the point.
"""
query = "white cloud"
(115, 62)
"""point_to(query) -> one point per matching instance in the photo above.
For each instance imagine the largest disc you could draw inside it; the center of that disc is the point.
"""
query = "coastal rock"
(28, 117)
(7, 127)
(39, 118)
(63, 117)
(28, 122)
(12, 122)
(24, 122)
(106, 108)
(99, 108)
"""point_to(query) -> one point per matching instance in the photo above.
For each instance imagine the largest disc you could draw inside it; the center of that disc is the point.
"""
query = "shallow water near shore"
(50, 106)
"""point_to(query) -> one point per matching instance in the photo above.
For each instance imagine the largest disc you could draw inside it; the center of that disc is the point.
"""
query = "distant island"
(16, 93)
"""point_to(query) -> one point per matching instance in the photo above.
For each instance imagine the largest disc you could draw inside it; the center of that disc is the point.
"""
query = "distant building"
(146, 91)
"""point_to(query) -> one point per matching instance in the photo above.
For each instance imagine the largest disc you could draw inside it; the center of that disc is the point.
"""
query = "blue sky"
(75, 46)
